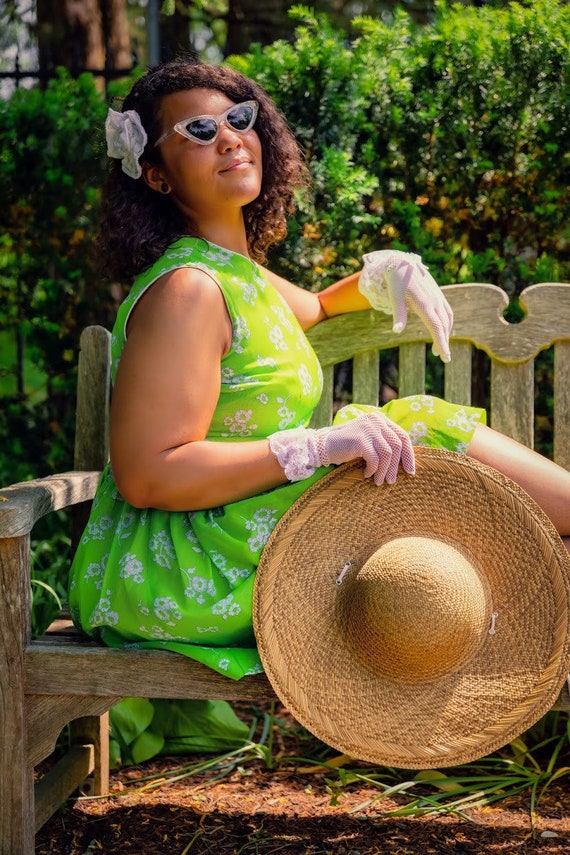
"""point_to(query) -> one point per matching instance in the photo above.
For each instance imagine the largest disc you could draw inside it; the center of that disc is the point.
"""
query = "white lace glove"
(381, 443)
(392, 280)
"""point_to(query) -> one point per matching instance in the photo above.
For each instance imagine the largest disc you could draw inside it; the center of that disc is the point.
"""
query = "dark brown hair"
(138, 224)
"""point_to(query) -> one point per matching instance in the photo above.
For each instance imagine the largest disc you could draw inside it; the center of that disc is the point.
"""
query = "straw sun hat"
(420, 624)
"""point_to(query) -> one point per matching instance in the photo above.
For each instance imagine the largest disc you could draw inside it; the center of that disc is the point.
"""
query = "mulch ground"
(255, 810)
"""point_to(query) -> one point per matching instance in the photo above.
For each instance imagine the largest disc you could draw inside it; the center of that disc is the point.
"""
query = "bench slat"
(562, 404)
(366, 377)
(457, 377)
(512, 400)
(67, 676)
(412, 370)
(91, 669)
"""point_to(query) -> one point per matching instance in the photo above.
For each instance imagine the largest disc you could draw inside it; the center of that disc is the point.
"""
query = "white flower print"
(191, 536)
(239, 423)
(262, 524)
(96, 570)
(239, 334)
(232, 574)
(124, 525)
(207, 629)
(162, 549)
(462, 447)
(304, 344)
(224, 664)
(198, 587)
(286, 415)
(417, 432)
(464, 421)
(421, 402)
(305, 378)
(96, 530)
(165, 609)
(262, 398)
(283, 319)
(131, 568)
(268, 361)
(144, 610)
(218, 254)
(176, 255)
(226, 607)
(231, 379)
(103, 614)
(159, 633)
(255, 669)
(248, 292)
(260, 280)
(277, 338)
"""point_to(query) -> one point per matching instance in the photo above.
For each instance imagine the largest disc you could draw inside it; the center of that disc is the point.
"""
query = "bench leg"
(16, 805)
(94, 730)
(84, 766)
(16, 771)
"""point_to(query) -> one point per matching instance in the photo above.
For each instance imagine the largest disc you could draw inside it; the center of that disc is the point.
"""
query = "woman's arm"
(310, 308)
(391, 281)
(165, 394)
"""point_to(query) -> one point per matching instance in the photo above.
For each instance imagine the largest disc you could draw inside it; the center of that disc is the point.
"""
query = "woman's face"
(214, 180)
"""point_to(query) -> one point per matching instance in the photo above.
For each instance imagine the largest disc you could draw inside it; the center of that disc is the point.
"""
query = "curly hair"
(138, 224)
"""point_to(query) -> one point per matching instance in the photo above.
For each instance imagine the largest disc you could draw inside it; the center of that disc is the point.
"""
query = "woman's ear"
(152, 177)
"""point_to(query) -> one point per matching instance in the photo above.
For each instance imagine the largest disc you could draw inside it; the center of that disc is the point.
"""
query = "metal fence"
(42, 76)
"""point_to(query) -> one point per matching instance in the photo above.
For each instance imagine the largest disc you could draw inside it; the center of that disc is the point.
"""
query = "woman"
(214, 381)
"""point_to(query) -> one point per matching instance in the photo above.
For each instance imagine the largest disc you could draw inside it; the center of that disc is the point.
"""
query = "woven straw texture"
(392, 684)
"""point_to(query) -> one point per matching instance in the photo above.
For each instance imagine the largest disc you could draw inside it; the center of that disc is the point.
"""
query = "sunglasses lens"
(205, 128)
(241, 117)
(202, 129)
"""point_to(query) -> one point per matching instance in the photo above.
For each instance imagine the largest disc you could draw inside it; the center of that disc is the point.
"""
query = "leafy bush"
(51, 164)
(449, 140)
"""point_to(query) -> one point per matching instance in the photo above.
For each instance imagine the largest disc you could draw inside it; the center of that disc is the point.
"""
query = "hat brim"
(515, 675)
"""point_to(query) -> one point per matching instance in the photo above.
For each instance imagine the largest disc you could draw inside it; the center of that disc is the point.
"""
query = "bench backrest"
(362, 336)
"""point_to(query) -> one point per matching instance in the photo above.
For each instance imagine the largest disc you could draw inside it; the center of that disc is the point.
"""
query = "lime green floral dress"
(183, 580)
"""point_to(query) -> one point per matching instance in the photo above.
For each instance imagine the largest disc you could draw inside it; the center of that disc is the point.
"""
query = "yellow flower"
(434, 226)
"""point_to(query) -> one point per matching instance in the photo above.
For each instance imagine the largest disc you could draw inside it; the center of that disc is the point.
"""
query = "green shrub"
(51, 166)
(449, 140)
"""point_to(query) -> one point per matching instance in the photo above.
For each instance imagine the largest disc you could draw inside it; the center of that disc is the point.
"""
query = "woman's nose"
(228, 138)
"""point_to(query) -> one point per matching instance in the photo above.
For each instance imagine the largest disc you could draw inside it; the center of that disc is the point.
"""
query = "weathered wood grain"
(91, 669)
(23, 504)
(65, 677)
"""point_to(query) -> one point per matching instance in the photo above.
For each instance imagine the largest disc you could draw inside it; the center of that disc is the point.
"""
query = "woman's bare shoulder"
(183, 296)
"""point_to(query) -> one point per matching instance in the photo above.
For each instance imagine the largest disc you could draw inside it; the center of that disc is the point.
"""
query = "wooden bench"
(63, 677)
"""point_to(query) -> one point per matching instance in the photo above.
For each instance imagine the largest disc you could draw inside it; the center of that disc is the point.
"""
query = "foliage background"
(448, 139)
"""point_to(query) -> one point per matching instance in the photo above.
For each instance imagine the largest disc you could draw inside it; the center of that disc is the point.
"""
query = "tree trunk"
(82, 35)
(117, 36)
(250, 21)
(70, 34)
(175, 33)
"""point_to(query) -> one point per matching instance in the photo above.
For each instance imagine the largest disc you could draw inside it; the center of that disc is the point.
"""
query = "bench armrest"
(23, 504)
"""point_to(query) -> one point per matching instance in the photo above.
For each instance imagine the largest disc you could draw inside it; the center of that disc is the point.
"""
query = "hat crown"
(416, 609)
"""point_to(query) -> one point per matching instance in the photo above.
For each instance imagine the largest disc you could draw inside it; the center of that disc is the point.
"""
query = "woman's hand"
(392, 280)
(372, 437)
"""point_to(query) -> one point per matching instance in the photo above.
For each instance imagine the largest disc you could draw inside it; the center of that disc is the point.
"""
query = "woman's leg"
(546, 482)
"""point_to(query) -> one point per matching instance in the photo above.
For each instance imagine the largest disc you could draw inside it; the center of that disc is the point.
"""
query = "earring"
(164, 188)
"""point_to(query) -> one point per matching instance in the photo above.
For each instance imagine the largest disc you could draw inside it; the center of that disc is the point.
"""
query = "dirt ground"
(255, 810)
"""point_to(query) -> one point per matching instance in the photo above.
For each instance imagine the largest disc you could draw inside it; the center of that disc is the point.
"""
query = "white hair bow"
(126, 140)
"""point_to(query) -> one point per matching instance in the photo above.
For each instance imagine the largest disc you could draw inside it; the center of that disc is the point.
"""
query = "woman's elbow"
(134, 485)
